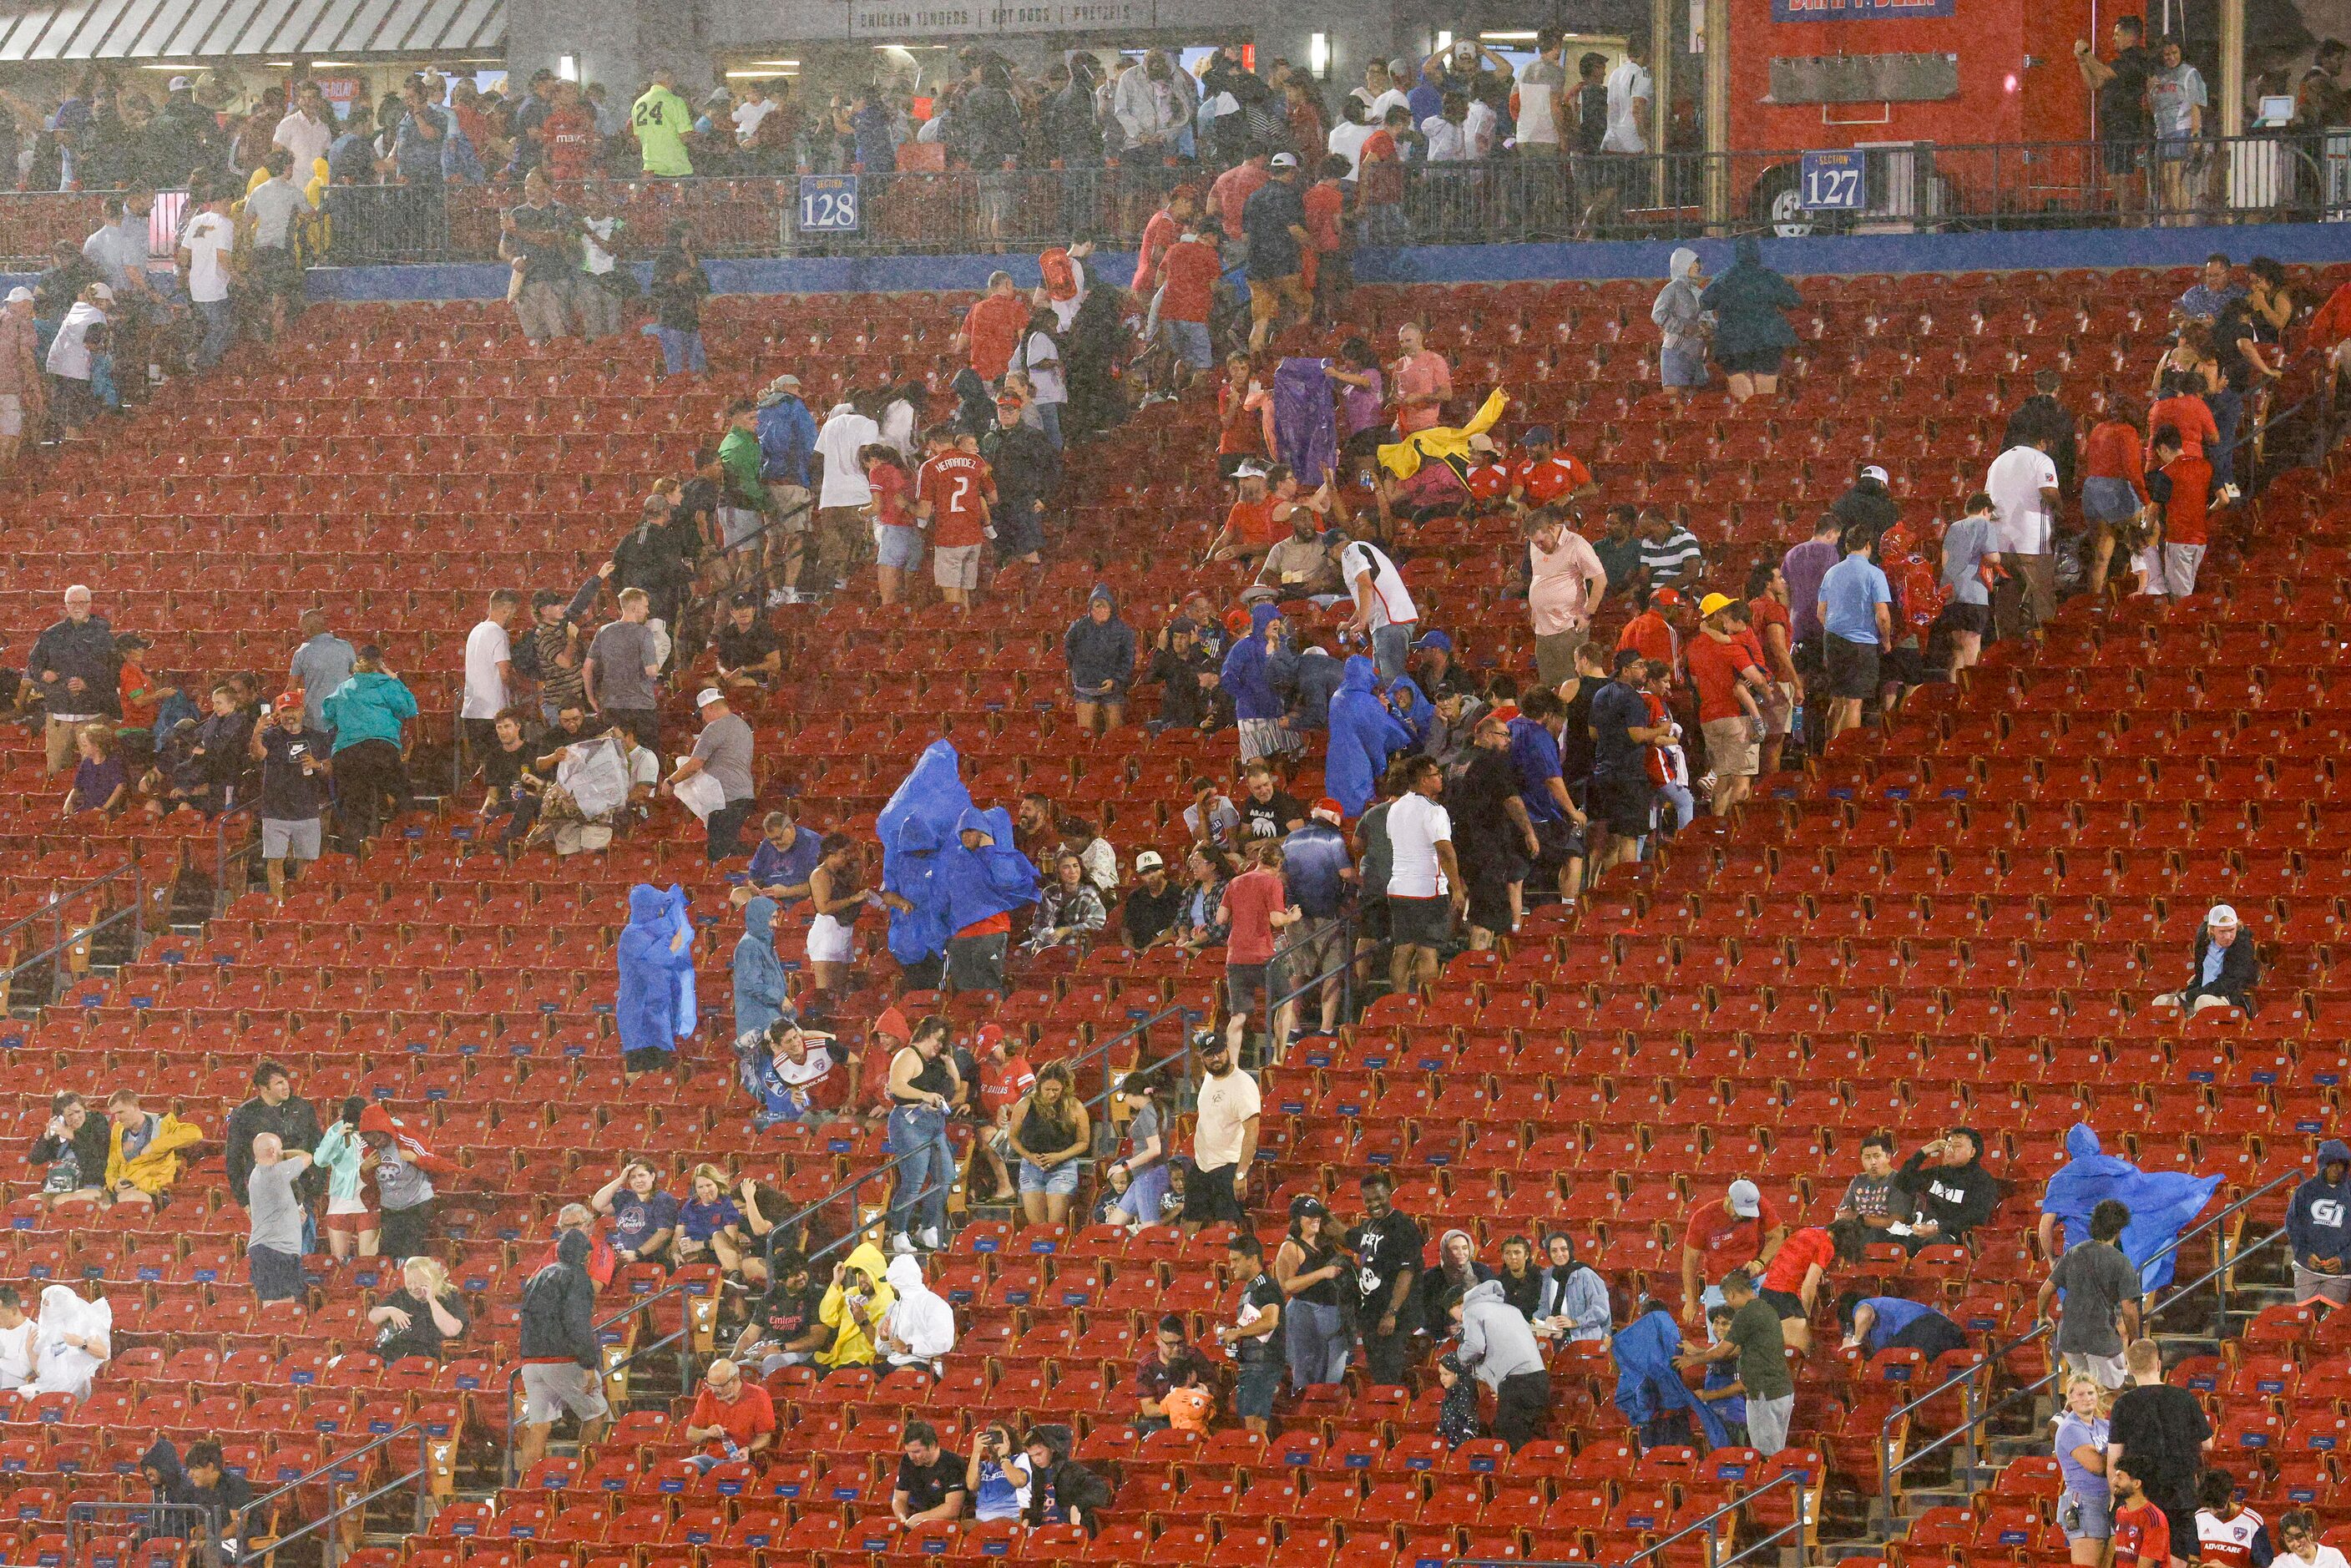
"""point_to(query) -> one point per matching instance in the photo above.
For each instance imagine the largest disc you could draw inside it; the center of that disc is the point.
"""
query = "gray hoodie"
(1496, 1341)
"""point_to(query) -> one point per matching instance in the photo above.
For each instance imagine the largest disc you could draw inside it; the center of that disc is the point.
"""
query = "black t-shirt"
(2122, 114)
(1264, 1296)
(1155, 1377)
(783, 1314)
(502, 769)
(2161, 1430)
(422, 1336)
(1271, 211)
(2232, 326)
(1270, 819)
(926, 1486)
(1590, 116)
(741, 649)
(1575, 738)
(1384, 1248)
(1482, 829)
(289, 794)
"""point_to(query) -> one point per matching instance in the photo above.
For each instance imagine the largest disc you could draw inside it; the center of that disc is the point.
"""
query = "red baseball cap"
(288, 699)
(1670, 598)
(1327, 807)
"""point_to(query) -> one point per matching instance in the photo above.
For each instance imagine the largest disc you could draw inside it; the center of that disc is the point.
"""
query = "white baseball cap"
(708, 695)
(2221, 915)
(179, 84)
(1745, 1200)
(19, 294)
(1283, 161)
(1148, 861)
(1874, 471)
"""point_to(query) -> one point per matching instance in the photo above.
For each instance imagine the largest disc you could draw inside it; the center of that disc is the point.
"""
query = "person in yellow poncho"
(143, 1156)
(854, 1307)
(1431, 467)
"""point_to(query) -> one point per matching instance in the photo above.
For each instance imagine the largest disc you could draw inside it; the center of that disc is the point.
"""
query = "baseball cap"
(1535, 433)
(2221, 915)
(785, 383)
(1433, 643)
(1248, 471)
(103, 292)
(1874, 471)
(1714, 602)
(178, 84)
(990, 1033)
(1329, 810)
(1283, 161)
(292, 699)
(1671, 597)
(1744, 1200)
(708, 695)
(19, 294)
(1481, 442)
(1149, 860)
(1305, 1206)
(1008, 399)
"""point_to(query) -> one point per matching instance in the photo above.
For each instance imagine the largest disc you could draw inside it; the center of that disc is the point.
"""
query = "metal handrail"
(680, 1289)
(81, 1511)
(1350, 931)
(1798, 1478)
(1889, 1467)
(53, 910)
(423, 1471)
(53, 953)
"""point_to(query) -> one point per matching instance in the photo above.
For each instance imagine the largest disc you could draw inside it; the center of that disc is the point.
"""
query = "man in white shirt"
(204, 247)
(1630, 90)
(1447, 131)
(271, 210)
(1425, 886)
(1380, 92)
(2023, 484)
(756, 107)
(307, 132)
(1383, 608)
(490, 673)
(1347, 137)
(844, 493)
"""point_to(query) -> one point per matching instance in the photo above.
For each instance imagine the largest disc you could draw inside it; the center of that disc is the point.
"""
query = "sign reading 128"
(1830, 182)
(829, 204)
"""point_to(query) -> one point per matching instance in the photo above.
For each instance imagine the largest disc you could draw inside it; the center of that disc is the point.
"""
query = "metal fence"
(1906, 187)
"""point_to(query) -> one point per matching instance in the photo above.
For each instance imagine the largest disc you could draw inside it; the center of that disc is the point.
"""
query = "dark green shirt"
(1762, 1350)
(1620, 559)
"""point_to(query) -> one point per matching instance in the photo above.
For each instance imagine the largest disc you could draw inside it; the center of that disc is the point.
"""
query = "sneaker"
(931, 1242)
(782, 596)
(901, 1244)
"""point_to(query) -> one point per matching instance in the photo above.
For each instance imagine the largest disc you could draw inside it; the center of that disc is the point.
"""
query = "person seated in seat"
(143, 1156)
(709, 1225)
(422, 1316)
(72, 1152)
(732, 1418)
(644, 1217)
(784, 1330)
(2225, 967)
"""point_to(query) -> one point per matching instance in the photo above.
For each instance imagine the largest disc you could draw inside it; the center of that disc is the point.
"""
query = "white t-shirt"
(1447, 143)
(16, 1354)
(644, 767)
(1042, 358)
(747, 116)
(1222, 1109)
(1416, 825)
(1390, 604)
(485, 649)
(2017, 477)
(1479, 126)
(209, 238)
(845, 430)
(1347, 140)
(1627, 85)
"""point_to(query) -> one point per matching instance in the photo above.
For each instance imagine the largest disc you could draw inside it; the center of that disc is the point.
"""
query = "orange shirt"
(1252, 523)
(993, 328)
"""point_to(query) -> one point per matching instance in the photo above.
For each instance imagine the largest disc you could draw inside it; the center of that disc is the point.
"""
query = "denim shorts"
(2109, 500)
(1061, 1181)
(901, 549)
(1253, 1394)
(1676, 369)
(1189, 340)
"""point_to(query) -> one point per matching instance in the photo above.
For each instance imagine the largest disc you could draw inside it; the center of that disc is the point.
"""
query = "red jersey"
(1191, 269)
(2191, 416)
(1796, 1256)
(1238, 430)
(1158, 235)
(1488, 481)
(2185, 505)
(750, 1415)
(958, 489)
(893, 494)
(1769, 611)
(992, 329)
(568, 138)
(1002, 1082)
(1714, 669)
(2142, 1537)
(1725, 1241)
(1252, 523)
(1650, 633)
(1379, 174)
(1229, 195)
(1325, 205)
(1251, 901)
(1556, 475)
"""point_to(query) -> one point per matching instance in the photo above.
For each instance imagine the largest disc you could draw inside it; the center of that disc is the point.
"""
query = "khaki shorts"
(1731, 747)
(957, 566)
(1266, 295)
(1778, 718)
(793, 514)
(1555, 654)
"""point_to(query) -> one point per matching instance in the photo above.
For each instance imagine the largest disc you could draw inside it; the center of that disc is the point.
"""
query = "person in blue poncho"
(986, 878)
(1649, 1387)
(2161, 1203)
(653, 1008)
(1258, 672)
(1411, 707)
(760, 993)
(1363, 734)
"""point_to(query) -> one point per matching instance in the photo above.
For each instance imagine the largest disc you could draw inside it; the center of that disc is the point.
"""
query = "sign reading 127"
(829, 204)
(1859, 10)
(1829, 181)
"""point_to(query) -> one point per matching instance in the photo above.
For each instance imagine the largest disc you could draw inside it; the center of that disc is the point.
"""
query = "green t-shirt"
(1762, 1350)
(738, 456)
(660, 121)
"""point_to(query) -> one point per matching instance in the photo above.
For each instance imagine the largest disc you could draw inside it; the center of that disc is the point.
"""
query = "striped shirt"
(1676, 558)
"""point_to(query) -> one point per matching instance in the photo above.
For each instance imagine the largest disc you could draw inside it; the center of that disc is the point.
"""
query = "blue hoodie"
(914, 828)
(1363, 733)
(759, 991)
(2318, 1225)
(1318, 682)
(653, 1008)
(787, 440)
(995, 879)
(1254, 678)
(1419, 713)
(2161, 1202)
(1099, 654)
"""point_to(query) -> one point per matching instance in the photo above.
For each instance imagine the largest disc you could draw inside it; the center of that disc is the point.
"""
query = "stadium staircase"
(1960, 916)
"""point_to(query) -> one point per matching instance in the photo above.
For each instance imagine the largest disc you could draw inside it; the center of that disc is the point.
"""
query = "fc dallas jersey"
(2227, 1543)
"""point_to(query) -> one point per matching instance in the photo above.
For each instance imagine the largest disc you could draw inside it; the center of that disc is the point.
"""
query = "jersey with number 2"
(957, 487)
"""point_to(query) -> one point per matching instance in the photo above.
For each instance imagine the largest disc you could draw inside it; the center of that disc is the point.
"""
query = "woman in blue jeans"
(923, 1084)
(1308, 1267)
(1052, 1135)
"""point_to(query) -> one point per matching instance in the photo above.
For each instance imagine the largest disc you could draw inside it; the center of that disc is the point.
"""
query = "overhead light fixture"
(1318, 56)
(757, 76)
(182, 70)
(775, 62)
(1444, 41)
(567, 67)
(331, 65)
(1514, 37)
